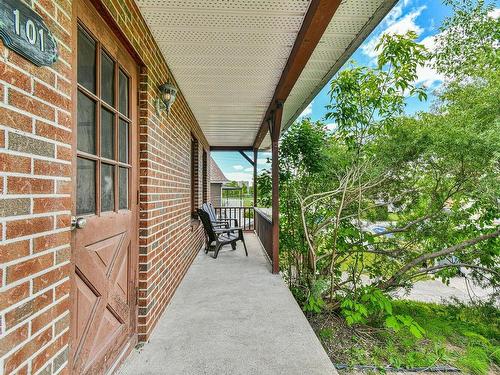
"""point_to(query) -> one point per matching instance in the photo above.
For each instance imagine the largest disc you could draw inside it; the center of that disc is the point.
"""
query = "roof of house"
(216, 175)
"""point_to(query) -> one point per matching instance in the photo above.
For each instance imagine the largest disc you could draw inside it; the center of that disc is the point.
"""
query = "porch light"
(166, 98)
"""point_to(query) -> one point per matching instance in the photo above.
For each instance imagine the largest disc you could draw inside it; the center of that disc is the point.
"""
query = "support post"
(255, 156)
(275, 128)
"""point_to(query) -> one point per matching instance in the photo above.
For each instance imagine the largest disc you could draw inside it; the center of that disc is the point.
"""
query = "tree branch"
(447, 250)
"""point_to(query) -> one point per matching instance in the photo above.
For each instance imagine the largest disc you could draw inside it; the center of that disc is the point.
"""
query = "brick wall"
(36, 188)
(168, 239)
(35, 203)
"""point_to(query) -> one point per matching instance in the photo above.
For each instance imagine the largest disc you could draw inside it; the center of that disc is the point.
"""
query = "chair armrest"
(227, 230)
(220, 224)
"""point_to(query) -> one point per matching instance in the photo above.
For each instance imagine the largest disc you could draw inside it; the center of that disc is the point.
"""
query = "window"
(103, 136)
(194, 176)
(205, 177)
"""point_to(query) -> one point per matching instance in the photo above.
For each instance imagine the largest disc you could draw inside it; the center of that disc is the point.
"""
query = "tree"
(264, 189)
(438, 171)
(468, 43)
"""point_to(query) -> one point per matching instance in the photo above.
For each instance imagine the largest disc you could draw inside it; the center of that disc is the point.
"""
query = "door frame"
(106, 16)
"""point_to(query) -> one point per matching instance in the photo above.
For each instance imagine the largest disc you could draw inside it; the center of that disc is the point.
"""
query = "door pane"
(86, 60)
(86, 124)
(107, 79)
(123, 145)
(85, 187)
(107, 187)
(107, 134)
(123, 93)
(123, 188)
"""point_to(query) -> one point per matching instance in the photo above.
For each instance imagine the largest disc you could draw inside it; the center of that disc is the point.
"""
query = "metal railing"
(264, 230)
(244, 215)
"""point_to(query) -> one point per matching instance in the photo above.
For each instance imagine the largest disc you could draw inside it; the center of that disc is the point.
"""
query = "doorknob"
(78, 222)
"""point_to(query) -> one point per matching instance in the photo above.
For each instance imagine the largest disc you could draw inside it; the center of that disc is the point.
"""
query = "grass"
(462, 336)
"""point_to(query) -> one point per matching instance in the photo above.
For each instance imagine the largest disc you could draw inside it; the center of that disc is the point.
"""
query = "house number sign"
(23, 31)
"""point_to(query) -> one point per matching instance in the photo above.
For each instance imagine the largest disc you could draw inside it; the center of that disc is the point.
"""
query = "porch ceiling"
(228, 56)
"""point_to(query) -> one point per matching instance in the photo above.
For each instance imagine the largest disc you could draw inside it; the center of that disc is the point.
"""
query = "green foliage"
(326, 334)
(458, 335)
(468, 42)
(365, 101)
(373, 303)
(314, 302)
(264, 189)
(438, 171)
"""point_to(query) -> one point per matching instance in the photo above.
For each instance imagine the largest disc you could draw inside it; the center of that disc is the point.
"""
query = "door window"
(103, 130)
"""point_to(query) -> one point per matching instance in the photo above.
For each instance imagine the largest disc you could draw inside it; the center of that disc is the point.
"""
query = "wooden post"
(255, 155)
(275, 128)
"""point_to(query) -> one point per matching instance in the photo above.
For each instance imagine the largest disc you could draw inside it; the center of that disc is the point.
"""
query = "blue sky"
(424, 17)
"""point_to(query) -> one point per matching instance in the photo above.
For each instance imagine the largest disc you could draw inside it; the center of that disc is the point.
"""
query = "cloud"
(427, 75)
(307, 111)
(239, 176)
(395, 23)
(238, 167)
(263, 161)
(495, 13)
(331, 126)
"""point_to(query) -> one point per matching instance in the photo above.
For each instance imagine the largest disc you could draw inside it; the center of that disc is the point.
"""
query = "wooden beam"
(255, 157)
(315, 22)
(246, 157)
(275, 135)
(231, 148)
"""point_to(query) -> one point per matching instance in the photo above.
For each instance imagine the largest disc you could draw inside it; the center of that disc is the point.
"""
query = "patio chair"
(209, 208)
(220, 236)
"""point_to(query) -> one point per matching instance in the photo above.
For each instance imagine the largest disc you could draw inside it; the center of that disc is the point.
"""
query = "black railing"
(244, 215)
(264, 229)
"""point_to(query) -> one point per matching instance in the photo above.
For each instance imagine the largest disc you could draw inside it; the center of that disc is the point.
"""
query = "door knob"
(78, 222)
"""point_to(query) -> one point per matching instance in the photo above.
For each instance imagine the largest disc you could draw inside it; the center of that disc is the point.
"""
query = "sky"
(423, 17)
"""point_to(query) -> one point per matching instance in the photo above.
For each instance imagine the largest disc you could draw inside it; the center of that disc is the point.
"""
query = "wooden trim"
(133, 156)
(275, 125)
(111, 22)
(231, 148)
(247, 158)
(315, 22)
(255, 158)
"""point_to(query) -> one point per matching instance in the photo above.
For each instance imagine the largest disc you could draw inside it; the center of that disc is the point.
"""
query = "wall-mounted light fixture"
(167, 96)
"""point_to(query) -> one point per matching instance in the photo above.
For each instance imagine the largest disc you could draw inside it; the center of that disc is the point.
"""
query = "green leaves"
(468, 42)
(427, 183)
(364, 101)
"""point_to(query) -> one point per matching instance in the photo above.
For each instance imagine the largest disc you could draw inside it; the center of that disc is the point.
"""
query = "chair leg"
(244, 245)
(233, 245)
(216, 252)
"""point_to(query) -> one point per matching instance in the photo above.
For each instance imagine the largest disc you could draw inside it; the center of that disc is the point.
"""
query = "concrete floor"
(230, 315)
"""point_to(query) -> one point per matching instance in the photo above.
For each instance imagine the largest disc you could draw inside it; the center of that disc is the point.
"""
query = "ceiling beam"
(247, 158)
(315, 22)
(231, 148)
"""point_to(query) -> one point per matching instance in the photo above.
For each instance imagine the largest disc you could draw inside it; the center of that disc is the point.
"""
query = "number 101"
(30, 30)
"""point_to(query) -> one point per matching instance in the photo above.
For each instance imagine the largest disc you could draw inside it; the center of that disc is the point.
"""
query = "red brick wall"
(36, 187)
(35, 203)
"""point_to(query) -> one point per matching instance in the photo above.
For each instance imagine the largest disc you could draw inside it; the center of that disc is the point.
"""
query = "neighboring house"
(100, 178)
(217, 180)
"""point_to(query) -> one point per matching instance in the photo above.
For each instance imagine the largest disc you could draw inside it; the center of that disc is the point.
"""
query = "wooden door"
(105, 234)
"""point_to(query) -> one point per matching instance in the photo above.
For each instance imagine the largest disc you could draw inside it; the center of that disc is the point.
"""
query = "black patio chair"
(220, 236)
(210, 210)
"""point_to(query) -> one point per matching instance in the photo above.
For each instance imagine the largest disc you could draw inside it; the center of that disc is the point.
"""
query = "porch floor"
(230, 315)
